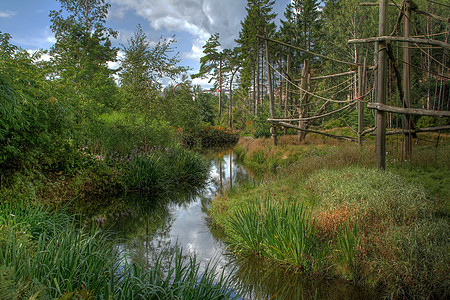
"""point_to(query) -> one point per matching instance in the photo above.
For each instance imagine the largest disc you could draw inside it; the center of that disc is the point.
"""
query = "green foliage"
(427, 121)
(262, 127)
(208, 136)
(80, 56)
(123, 136)
(281, 231)
(159, 170)
(66, 261)
(33, 124)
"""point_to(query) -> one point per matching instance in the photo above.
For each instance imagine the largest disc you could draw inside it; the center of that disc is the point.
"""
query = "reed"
(281, 231)
(71, 263)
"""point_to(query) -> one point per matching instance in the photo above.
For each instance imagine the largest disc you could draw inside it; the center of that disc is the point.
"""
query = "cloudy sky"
(191, 21)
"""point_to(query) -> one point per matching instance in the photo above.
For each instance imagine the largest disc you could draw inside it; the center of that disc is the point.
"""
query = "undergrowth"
(386, 229)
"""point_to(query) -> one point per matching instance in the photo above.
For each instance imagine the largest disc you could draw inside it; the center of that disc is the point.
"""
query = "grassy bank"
(47, 255)
(322, 208)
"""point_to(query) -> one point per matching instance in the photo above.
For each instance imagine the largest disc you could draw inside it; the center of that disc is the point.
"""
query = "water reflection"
(145, 227)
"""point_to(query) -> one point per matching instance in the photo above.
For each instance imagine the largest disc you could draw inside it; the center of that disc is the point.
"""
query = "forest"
(339, 112)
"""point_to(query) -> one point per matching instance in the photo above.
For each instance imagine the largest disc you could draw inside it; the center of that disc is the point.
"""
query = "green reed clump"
(159, 170)
(346, 246)
(281, 231)
(67, 262)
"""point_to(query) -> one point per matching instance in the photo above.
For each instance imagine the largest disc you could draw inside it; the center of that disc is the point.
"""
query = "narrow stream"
(146, 230)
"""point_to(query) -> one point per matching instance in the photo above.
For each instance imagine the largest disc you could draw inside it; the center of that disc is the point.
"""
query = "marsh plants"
(331, 214)
(47, 255)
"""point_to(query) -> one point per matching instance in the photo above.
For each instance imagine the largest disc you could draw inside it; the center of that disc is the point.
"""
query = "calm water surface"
(147, 228)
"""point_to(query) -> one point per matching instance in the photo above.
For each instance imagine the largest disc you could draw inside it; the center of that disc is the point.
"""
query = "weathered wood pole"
(303, 100)
(287, 96)
(407, 83)
(273, 129)
(380, 140)
(361, 92)
(220, 88)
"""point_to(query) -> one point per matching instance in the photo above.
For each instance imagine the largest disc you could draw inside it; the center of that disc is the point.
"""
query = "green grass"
(160, 170)
(68, 261)
(382, 228)
(281, 231)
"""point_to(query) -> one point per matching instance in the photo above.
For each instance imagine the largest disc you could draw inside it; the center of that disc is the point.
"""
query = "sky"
(192, 22)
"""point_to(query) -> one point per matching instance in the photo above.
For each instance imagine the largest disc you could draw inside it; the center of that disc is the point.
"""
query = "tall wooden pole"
(361, 92)
(303, 100)
(287, 96)
(380, 140)
(273, 129)
(407, 83)
(220, 88)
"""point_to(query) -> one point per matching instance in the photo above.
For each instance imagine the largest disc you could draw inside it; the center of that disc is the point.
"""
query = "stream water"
(146, 230)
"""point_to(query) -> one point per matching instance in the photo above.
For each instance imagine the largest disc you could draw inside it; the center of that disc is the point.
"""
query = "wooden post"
(220, 88)
(286, 99)
(380, 140)
(273, 129)
(361, 92)
(303, 96)
(407, 83)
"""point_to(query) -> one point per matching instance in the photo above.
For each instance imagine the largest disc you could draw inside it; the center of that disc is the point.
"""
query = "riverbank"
(324, 210)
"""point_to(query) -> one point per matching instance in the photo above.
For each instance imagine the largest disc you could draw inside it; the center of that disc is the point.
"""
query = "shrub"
(208, 136)
(159, 170)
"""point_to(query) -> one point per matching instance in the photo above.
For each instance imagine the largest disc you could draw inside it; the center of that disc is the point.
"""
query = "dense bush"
(208, 136)
(159, 170)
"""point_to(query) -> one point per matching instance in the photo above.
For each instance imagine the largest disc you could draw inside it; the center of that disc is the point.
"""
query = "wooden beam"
(400, 39)
(333, 75)
(307, 51)
(380, 139)
(427, 129)
(409, 111)
(273, 129)
(339, 137)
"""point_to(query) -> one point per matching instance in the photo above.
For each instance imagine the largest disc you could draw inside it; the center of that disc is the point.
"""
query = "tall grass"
(281, 231)
(384, 228)
(72, 262)
(161, 170)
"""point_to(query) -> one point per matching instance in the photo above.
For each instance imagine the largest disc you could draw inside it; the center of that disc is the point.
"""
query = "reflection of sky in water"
(187, 225)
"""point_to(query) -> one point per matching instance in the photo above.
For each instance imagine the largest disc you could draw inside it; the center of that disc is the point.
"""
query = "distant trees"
(259, 20)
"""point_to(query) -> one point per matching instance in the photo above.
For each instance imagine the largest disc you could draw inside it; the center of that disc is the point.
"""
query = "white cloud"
(196, 51)
(199, 18)
(203, 82)
(7, 14)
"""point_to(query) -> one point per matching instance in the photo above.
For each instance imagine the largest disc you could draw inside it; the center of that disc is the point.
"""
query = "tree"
(211, 65)
(81, 53)
(33, 122)
(231, 66)
(142, 69)
(259, 19)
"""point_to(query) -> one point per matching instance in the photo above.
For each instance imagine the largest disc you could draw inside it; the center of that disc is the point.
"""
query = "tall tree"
(143, 67)
(259, 18)
(82, 50)
(211, 65)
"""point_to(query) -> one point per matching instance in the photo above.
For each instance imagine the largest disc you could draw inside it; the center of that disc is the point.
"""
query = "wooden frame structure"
(380, 88)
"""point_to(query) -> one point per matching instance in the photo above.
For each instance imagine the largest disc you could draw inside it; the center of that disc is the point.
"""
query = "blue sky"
(191, 21)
